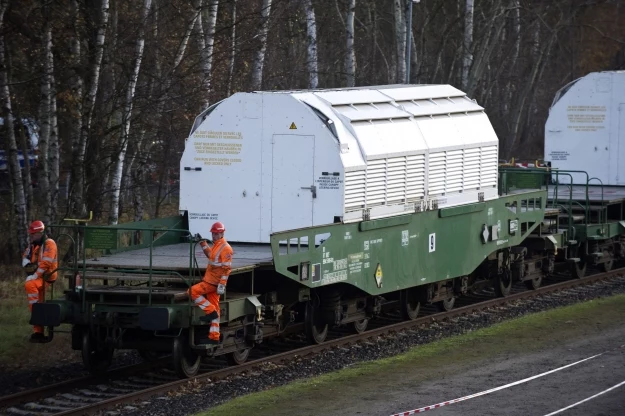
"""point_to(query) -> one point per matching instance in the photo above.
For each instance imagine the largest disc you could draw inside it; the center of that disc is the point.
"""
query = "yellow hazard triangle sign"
(378, 275)
(293, 126)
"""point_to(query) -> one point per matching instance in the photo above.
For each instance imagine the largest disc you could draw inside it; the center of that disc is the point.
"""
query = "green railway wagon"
(135, 297)
(340, 205)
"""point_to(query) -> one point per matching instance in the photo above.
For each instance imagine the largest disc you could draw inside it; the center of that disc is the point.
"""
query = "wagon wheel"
(360, 326)
(409, 304)
(447, 304)
(316, 330)
(238, 357)
(503, 283)
(186, 361)
(96, 359)
(578, 270)
(533, 284)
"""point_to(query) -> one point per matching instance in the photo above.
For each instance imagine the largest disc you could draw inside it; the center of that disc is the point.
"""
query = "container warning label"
(329, 182)
(203, 216)
(404, 238)
(559, 155)
(223, 151)
(212, 134)
(334, 277)
(586, 117)
(355, 262)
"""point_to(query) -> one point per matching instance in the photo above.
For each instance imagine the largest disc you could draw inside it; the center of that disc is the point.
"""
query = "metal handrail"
(77, 228)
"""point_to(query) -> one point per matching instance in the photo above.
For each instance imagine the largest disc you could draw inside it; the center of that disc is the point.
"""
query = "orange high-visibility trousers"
(208, 303)
(35, 290)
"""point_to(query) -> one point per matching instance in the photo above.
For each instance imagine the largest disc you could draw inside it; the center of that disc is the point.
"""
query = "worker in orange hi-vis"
(206, 293)
(42, 253)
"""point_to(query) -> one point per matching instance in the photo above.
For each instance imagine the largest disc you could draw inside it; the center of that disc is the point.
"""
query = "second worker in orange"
(206, 293)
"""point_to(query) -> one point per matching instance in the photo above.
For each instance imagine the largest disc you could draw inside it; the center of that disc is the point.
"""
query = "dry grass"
(15, 350)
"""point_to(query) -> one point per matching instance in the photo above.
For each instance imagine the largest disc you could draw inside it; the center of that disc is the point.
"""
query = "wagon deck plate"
(176, 258)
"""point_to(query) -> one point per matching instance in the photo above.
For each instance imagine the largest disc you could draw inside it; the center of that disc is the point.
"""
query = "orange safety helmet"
(36, 227)
(218, 227)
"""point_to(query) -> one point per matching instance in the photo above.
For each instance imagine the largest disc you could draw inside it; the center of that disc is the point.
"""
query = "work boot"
(209, 317)
(38, 338)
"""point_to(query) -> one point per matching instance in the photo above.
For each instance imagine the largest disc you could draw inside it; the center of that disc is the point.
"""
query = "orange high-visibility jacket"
(45, 256)
(219, 262)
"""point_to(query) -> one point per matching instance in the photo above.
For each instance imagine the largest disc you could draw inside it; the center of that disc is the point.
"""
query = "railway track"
(87, 395)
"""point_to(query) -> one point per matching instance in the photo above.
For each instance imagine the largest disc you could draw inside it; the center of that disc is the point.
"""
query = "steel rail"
(63, 386)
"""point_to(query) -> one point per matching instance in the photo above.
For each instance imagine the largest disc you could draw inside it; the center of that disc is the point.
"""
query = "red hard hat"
(36, 227)
(218, 227)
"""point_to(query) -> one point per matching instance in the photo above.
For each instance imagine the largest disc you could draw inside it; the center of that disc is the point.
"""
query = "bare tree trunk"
(486, 49)
(400, 40)
(516, 30)
(521, 108)
(468, 43)
(76, 110)
(373, 19)
(350, 56)
(311, 33)
(129, 176)
(259, 57)
(53, 149)
(206, 41)
(414, 60)
(78, 168)
(26, 173)
(233, 46)
(44, 119)
(126, 118)
(138, 199)
(13, 161)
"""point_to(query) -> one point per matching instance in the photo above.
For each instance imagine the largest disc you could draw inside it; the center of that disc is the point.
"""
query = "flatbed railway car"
(339, 204)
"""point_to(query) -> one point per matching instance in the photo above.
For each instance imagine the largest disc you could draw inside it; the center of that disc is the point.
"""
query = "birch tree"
(44, 116)
(48, 146)
(206, 41)
(350, 56)
(132, 177)
(467, 44)
(259, 57)
(311, 35)
(118, 160)
(233, 46)
(400, 39)
(490, 40)
(23, 141)
(87, 112)
(516, 50)
(19, 199)
(540, 53)
(53, 148)
(76, 108)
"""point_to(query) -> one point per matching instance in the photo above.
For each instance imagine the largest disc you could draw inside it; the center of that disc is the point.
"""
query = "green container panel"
(385, 255)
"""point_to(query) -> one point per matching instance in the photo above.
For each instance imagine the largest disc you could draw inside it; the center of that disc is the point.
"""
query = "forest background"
(105, 91)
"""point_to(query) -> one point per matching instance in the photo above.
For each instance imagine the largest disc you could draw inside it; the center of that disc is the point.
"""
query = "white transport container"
(264, 162)
(585, 129)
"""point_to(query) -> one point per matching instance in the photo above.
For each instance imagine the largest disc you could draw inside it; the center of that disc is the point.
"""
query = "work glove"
(25, 262)
(31, 277)
(221, 288)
